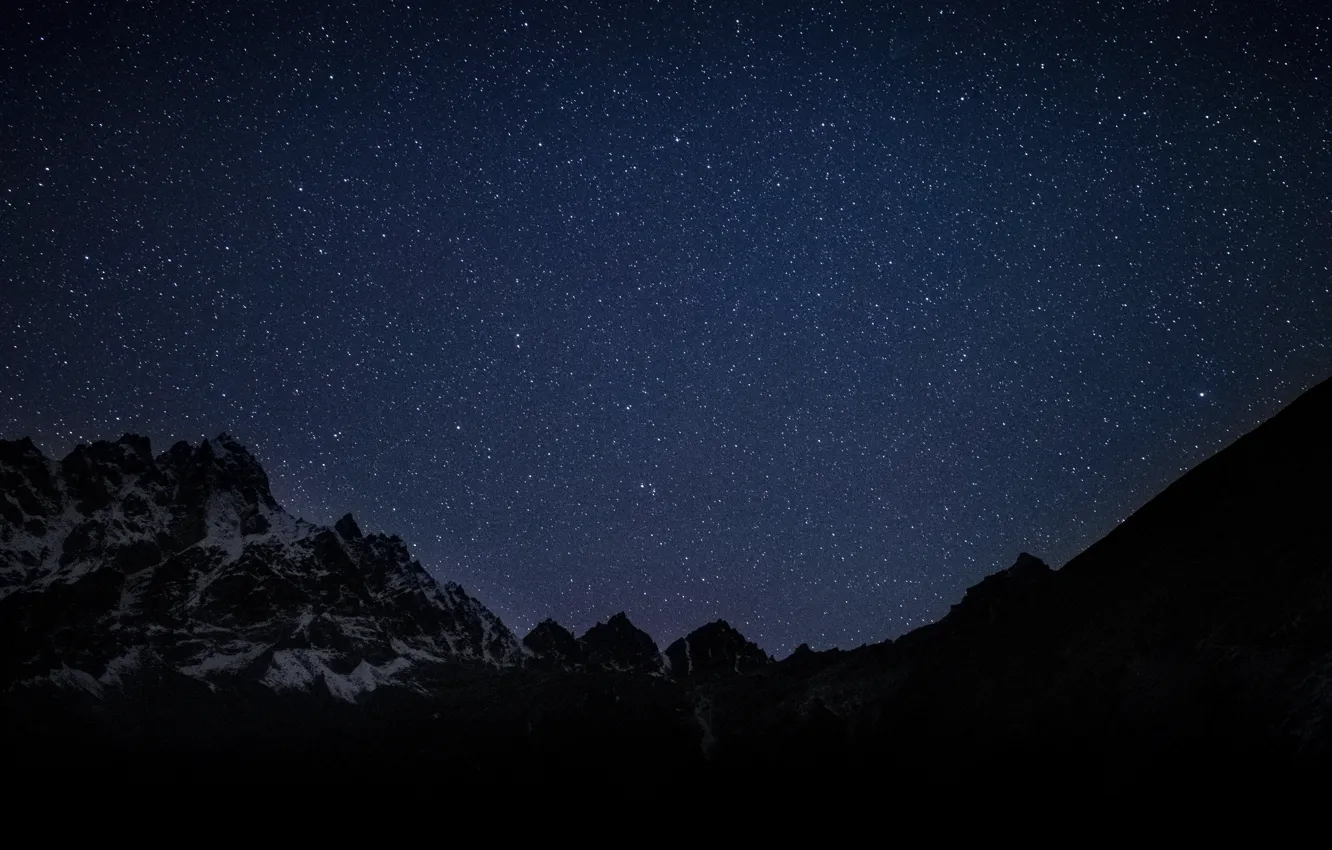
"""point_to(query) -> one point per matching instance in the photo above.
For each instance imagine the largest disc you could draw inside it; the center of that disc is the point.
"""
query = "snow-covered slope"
(115, 562)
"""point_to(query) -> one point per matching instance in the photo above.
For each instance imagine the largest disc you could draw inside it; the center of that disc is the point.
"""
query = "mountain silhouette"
(163, 613)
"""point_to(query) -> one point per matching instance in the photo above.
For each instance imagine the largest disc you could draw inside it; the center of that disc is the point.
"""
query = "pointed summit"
(715, 648)
(550, 642)
(1028, 566)
(995, 594)
(620, 645)
(222, 490)
(236, 466)
(347, 528)
(95, 474)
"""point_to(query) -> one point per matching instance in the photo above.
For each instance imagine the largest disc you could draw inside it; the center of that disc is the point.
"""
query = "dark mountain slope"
(1193, 644)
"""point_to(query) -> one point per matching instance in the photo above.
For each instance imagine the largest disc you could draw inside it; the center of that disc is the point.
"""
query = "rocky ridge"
(115, 560)
(715, 649)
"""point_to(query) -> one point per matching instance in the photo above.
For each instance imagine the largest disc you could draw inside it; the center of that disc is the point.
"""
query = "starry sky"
(804, 316)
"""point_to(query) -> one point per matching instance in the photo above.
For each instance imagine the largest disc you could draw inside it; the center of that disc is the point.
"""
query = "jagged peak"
(1025, 570)
(221, 453)
(715, 647)
(619, 643)
(127, 447)
(228, 450)
(720, 626)
(347, 528)
(552, 627)
(549, 641)
(550, 623)
(989, 597)
(199, 531)
(16, 451)
(615, 643)
(224, 443)
(449, 586)
(224, 461)
(1028, 564)
(21, 453)
(618, 623)
(25, 442)
(180, 450)
(140, 445)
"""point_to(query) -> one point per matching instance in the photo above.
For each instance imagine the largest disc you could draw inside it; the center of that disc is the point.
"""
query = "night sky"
(807, 318)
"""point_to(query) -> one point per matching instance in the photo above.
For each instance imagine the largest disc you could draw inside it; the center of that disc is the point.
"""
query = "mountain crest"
(620, 645)
(995, 595)
(715, 648)
(552, 644)
(347, 528)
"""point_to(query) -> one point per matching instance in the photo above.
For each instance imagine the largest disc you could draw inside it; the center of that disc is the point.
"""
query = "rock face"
(115, 563)
(715, 649)
(618, 644)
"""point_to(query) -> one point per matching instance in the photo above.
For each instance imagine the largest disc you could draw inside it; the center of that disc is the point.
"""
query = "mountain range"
(163, 618)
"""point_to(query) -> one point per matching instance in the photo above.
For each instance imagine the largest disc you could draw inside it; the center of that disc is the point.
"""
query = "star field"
(807, 317)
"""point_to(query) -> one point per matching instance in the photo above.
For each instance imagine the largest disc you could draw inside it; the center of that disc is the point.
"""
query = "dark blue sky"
(804, 319)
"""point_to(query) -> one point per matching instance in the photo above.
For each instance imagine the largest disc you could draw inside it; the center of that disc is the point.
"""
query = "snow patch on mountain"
(301, 669)
(234, 659)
